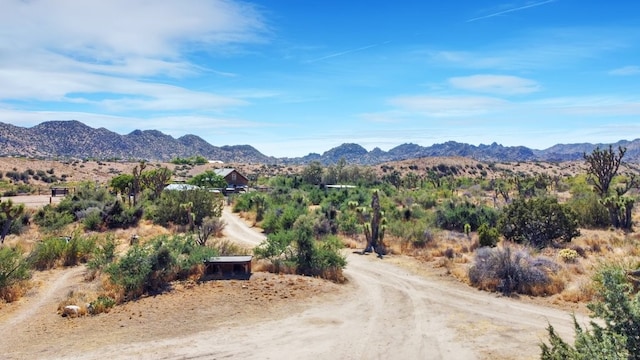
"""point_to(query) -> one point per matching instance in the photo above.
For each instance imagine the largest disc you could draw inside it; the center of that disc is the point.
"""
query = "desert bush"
(171, 207)
(538, 222)
(298, 249)
(48, 253)
(282, 218)
(116, 216)
(131, 272)
(101, 305)
(211, 226)
(501, 269)
(589, 210)
(92, 219)
(488, 236)
(104, 253)
(453, 215)
(618, 306)
(568, 255)
(14, 269)
(276, 248)
(66, 251)
(78, 250)
(328, 262)
(149, 268)
(348, 223)
(50, 220)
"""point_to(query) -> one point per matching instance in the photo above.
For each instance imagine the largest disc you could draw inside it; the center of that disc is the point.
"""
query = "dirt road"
(384, 312)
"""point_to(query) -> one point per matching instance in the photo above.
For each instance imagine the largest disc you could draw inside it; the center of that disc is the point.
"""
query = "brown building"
(233, 177)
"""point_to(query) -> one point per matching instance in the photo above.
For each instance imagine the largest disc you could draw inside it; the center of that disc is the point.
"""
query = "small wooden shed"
(233, 177)
(228, 267)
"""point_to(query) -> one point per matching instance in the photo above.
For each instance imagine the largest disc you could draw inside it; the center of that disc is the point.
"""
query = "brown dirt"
(391, 308)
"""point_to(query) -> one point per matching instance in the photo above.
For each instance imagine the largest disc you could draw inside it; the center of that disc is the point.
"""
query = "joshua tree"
(8, 213)
(602, 167)
(375, 228)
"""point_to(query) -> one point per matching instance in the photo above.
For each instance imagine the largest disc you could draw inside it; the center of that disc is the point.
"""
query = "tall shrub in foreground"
(618, 305)
(13, 270)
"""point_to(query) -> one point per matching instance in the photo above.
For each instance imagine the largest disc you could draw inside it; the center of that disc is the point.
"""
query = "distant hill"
(73, 139)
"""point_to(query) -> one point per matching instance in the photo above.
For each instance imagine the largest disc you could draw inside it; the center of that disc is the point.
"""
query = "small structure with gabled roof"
(233, 177)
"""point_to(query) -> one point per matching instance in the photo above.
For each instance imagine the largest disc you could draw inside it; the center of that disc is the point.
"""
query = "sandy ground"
(33, 201)
(389, 309)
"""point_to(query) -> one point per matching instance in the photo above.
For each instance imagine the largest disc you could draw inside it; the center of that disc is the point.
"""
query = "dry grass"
(15, 291)
(76, 298)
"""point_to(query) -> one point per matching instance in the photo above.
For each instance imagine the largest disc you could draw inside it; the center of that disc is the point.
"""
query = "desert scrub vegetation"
(538, 222)
(62, 251)
(298, 251)
(149, 268)
(14, 273)
(616, 335)
(510, 271)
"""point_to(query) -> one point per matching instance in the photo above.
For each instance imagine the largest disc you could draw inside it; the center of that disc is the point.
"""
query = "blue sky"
(291, 77)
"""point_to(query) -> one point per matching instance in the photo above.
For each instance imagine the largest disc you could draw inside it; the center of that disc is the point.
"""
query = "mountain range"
(73, 139)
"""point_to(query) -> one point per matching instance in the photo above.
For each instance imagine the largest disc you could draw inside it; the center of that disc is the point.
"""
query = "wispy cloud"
(510, 10)
(626, 71)
(495, 84)
(347, 52)
(448, 106)
(540, 49)
(94, 53)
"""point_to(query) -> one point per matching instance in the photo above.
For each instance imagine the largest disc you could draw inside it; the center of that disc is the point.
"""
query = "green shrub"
(149, 268)
(538, 222)
(589, 210)
(488, 236)
(102, 304)
(93, 220)
(118, 217)
(618, 306)
(276, 248)
(48, 253)
(66, 251)
(51, 220)
(104, 253)
(13, 270)
(131, 272)
(171, 207)
(78, 250)
(297, 248)
(454, 215)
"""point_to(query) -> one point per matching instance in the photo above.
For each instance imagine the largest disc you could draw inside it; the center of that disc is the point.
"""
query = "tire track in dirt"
(386, 312)
(43, 303)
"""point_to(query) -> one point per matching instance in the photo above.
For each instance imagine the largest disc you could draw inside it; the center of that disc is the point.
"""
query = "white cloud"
(495, 84)
(448, 106)
(540, 49)
(115, 54)
(590, 106)
(105, 31)
(626, 71)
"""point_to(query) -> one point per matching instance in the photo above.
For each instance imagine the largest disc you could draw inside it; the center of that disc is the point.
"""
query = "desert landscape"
(391, 308)
(399, 307)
